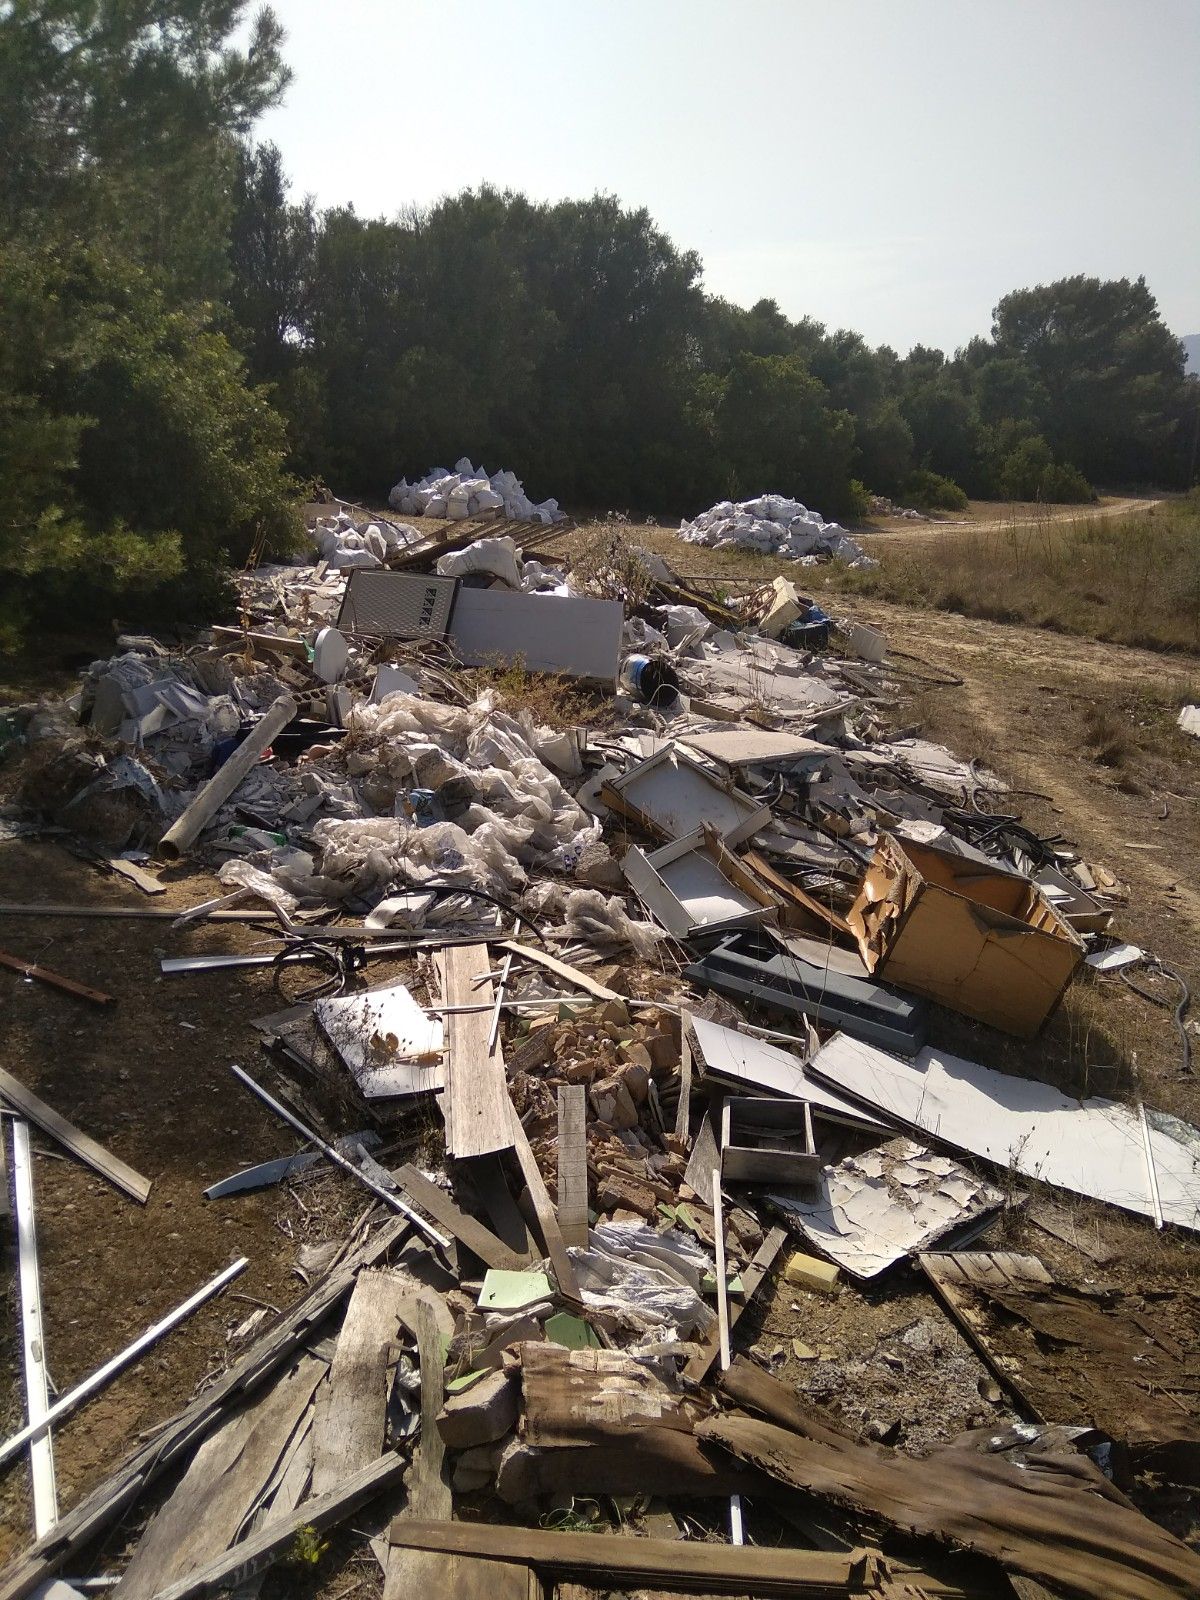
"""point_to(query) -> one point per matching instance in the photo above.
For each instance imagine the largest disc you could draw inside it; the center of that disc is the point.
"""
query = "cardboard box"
(967, 934)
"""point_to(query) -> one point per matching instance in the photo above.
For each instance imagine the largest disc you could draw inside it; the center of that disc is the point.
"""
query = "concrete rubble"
(540, 1321)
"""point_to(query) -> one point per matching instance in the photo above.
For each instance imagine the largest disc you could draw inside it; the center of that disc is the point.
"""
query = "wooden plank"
(544, 1210)
(54, 908)
(285, 1493)
(273, 1541)
(104, 1504)
(572, 1164)
(561, 969)
(481, 1241)
(710, 1347)
(1056, 1519)
(30, 969)
(475, 1101)
(37, 1389)
(723, 1324)
(85, 1149)
(416, 1572)
(348, 1425)
(145, 881)
(704, 1567)
(683, 1111)
(222, 1485)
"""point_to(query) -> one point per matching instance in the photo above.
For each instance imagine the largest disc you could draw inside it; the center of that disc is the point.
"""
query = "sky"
(893, 166)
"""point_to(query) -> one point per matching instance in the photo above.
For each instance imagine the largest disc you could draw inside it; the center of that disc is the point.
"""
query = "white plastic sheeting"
(521, 812)
(774, 526)
(649, 1281)
(465, 492)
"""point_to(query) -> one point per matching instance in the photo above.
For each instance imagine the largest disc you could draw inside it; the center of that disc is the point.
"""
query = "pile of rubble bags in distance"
(467, 491)
(672, 981)
(773, 525)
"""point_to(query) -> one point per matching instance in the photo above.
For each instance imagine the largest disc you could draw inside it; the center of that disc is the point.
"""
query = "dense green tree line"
(182, 343)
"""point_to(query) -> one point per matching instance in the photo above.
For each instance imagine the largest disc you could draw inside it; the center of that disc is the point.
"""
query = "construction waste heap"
(673, 970)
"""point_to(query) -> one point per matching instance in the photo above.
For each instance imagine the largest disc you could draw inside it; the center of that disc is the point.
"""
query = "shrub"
(1029, 472)
(134, 458)
(929, 491)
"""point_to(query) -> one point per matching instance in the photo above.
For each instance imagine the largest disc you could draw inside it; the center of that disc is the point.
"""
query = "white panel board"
(578, 637)
(1093, 1147)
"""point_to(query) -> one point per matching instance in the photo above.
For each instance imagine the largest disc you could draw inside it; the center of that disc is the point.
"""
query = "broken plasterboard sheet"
(1189, 720)
(568, 634)
(874, 1209)
(673, 796)
(1093, 1147)
(742, 747)
(389, 1044)
(754, 1064)
(1114, 956)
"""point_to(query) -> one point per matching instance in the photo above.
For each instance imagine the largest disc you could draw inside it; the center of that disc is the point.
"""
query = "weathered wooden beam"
(85, 1149)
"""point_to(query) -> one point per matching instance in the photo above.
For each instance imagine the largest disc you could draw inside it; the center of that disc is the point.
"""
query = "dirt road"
(900, 530)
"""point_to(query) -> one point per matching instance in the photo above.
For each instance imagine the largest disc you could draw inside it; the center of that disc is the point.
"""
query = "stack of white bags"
(775, 526)
(465, 492)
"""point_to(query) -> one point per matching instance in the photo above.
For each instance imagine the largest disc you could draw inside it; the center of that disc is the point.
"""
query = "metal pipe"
(338, 1159)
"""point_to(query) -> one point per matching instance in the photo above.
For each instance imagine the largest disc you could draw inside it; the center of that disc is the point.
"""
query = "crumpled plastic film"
(649, 1281)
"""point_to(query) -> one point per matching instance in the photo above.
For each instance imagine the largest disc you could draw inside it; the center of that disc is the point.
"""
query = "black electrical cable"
(339, 961)
(1179, 1009)
(447, 889)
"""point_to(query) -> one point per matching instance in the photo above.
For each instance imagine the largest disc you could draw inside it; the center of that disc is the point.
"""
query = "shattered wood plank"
(274, 1540)
(573, 1396)
(572, 1164)
(543, 1207)
(646, 1563)
(481, 1241)
(220, 1488)
(1056, 1519)
(1062, 1350)
(348, 1425)
(145, 881)
(83, 1148)
(710, 1346)
(640, 1463)
(282, 1495)
(561, 969)
(475, 1102)
(56, 980)
(114, 1494)
(415, 1572)
(683, 1112)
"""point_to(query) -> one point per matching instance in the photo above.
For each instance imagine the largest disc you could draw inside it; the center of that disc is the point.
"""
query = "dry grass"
(1132, 579)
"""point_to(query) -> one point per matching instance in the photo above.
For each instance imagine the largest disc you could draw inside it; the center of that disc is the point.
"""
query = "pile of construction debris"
(674, 987)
